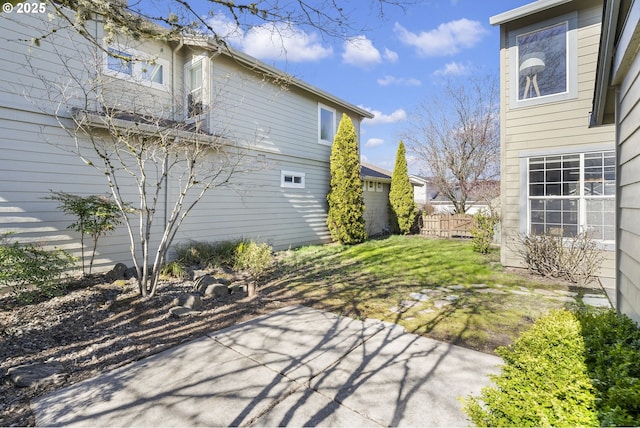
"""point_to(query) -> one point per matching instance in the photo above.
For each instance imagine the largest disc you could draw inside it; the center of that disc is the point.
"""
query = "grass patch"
(471, 301)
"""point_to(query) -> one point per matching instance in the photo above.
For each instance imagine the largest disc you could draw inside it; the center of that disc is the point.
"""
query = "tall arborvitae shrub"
(346, 206)
(401, 195)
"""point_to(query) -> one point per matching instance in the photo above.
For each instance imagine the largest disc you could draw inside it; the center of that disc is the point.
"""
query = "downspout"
(174, 114)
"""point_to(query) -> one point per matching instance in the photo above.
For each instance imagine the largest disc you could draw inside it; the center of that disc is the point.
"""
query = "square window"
(326, 124)
(542, 62)
(119, 62)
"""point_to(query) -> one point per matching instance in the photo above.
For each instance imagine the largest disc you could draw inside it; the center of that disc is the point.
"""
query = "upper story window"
(326, 124)
(152, 72)
(119, 62)
(128, 64)
(543, 62)
(195, 89)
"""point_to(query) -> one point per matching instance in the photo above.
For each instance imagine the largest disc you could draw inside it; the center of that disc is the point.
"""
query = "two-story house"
(286, 125)
(558, 175)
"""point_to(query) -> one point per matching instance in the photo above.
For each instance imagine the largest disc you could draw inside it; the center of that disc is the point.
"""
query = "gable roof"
(369, 171)
(255, 64)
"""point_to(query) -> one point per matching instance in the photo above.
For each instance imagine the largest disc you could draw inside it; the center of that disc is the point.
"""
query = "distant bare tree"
(456, 139)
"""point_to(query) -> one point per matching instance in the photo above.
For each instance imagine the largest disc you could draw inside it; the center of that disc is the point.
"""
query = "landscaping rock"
(419, 296)
(482, 285)
(238, 288)
(216, 290)
(202, 282)
(452, 297)
(36, 374)
(457, 287)
(130, 273)
(180, 311)
(566, 293)
(196, 274)
(408, 303)
(439, 304)
(596, 300)
(118, 272)
(190, 301)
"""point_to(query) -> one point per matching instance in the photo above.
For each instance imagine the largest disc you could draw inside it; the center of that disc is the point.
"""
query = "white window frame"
(333, 124)
(288, 179)
(571, 62)
(195, 63)
(582, 198)
(139, 61)
(379, 187)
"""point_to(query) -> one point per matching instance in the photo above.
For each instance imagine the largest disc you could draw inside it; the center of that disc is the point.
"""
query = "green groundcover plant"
(569, 369)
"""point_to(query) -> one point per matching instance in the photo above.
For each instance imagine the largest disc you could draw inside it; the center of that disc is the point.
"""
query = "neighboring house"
(427, 195)
(288, 124)
(617, 101)
(557, 174)
(376, 186)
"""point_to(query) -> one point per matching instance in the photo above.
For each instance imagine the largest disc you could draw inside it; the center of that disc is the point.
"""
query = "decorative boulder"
(202, 282)
(190, 301)
(118, 272)
(217, 290)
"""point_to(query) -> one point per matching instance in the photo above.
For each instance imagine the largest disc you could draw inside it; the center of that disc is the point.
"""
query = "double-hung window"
(572, 193)
(195, 89)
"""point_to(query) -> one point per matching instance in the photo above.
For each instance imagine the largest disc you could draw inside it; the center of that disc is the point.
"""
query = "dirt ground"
(99, 326)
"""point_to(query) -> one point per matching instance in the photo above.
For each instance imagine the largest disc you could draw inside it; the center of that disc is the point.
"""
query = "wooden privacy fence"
(448, 225)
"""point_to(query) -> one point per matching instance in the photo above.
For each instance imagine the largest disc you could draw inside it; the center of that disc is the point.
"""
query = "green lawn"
(481, 305)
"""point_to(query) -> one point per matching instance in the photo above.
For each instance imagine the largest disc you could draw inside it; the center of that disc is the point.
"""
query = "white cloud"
(272, 41)
(453, 69)
(374, 142)
(390, 55)
(449, 38)
(227, 29)
(360, 52)
(399, 81)
(380, 118)
(282, 41)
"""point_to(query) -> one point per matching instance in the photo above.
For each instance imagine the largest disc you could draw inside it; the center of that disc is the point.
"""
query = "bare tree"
(135, 138)
(136, 19)
(456, 139)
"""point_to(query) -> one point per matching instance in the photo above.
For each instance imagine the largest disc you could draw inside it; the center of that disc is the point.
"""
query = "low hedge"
(569, 369)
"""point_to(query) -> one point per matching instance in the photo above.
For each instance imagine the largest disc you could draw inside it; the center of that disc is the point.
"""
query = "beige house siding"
(629, 192)
(559, 127)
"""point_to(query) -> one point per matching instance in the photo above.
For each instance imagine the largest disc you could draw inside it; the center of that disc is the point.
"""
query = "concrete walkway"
(294, 367)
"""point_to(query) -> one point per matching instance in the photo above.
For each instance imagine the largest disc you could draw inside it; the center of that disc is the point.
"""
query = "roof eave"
(605, 56)
(257, 65)
(526, 10)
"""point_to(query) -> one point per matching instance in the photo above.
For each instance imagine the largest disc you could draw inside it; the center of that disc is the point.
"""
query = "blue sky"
(402, 61)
